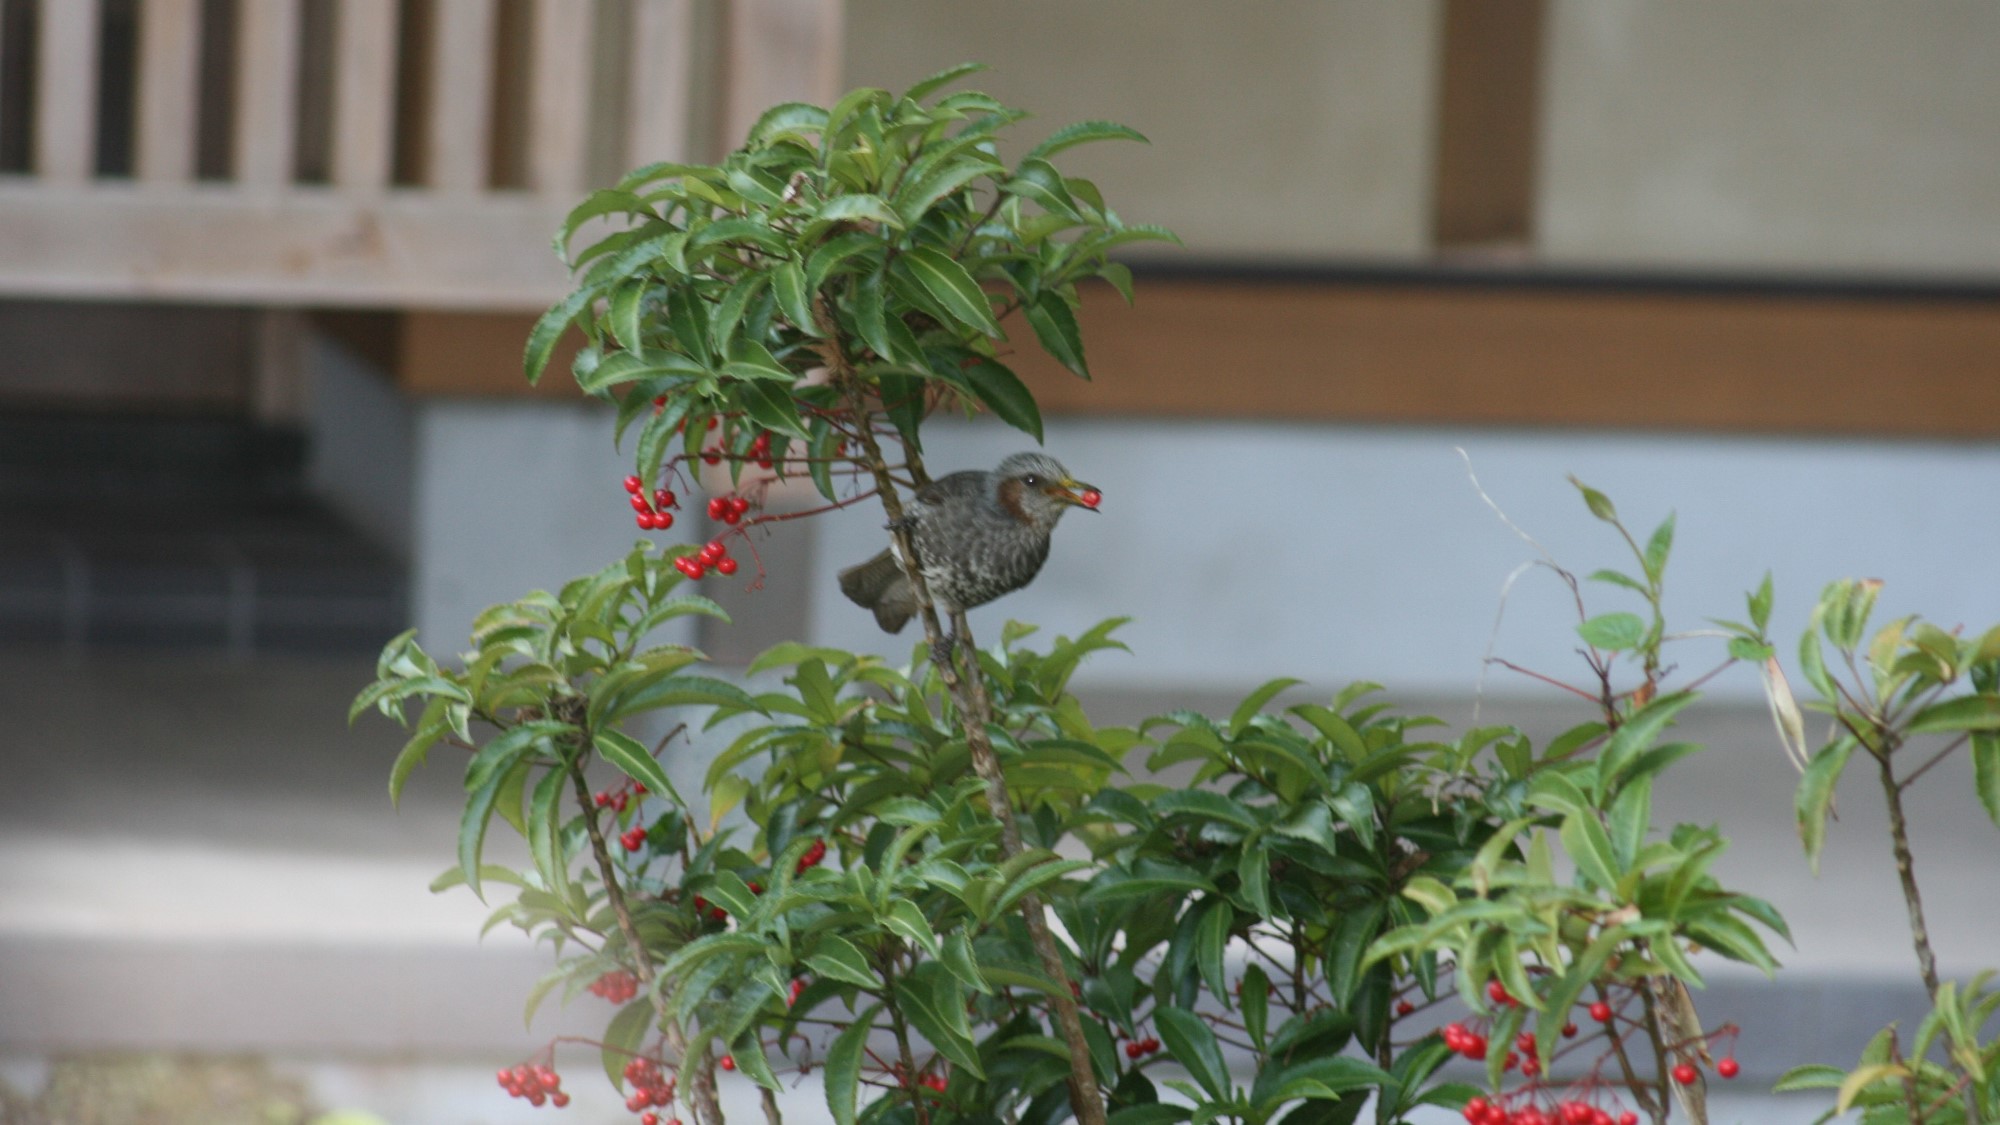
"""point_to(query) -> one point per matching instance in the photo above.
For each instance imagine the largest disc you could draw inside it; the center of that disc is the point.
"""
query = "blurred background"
(266, 267)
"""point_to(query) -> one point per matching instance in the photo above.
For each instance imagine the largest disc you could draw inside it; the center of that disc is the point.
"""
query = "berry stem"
(1642, 1092)
(704, 1106)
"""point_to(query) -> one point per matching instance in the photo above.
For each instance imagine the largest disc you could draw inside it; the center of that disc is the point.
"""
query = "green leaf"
(836, 957)
(934, 1003)
(1084, 132)
(1613, 631)
(1815, 795)
(1145, 877)
(770, 405)
(1967, 712)
(1598, 503)
(1055, 326)
(548, 329)
(938, 81)
(951, 287)
(1813, 1076)
(843, 1064)
(1003, 393)
(1658, 547)
(1589, 847)
(786, 117)
(1256, 1002)
(632, 759)
(472, 830)
(858, 208)
(501, 753)
(788, 281)
(1986, 772)
(1192, 1043)
(1635, 735)
(1211, 938)
(1352, 936)
(623, 1039)
(416, 750)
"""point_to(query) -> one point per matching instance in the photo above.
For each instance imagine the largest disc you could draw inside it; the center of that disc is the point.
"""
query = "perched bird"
(977, 535)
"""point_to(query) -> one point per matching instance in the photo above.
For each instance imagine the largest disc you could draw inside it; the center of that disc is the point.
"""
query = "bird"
(976, 534)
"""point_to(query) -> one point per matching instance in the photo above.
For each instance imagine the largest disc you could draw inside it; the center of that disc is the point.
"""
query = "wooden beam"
(1414, 354)
(779, 51)
(559, 96)
(1488, 124)
(661, 68)
(462, 354)
(1421, 355)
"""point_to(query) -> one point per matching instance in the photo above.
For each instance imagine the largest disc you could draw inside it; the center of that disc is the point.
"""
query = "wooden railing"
(384, 153)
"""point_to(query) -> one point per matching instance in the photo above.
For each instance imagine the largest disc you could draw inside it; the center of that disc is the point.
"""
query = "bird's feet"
(941, 650)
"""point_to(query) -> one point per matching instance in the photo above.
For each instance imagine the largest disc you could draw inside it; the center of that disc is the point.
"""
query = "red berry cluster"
(617, 986)
(1140, 1048)
(651, 1118)
(935, 1083)
(649, 1088)
(798, 986)
(812, 857)
(760, 449)
(541, 1085)
(728, 509)
(653, 513)
(606, 799)
(703, 906)
(1480, 1111)
(714, 555)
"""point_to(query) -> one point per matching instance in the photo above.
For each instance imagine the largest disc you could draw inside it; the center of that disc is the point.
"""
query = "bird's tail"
(879, 584)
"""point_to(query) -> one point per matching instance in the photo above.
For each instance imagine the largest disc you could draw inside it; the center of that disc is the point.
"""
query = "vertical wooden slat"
(267, 59)
(559, 96)
(461, 103)
(364, 93)
(779, 51)
(66, 91)
(169, 91)
(662, 52)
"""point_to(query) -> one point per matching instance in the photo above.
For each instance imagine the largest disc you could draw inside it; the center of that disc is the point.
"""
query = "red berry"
(694, 570)
(1685, 1074)
(1475, 1048)
(728, 1061)
(1727, 1067)
(732, 517)
(1601, 1012)
(718, 914)
(713, 550)
(725, 566)
(1133, 1050)
(639, 787)
(711, 458)
(1404, 1007)
(716, 506)
(1569, 1031)
(663, 498)
(739, 505)
(639, 503)
(636, 1102)
(1497, 992)
(1091, 497)
(558, 1099)
(1475, 1109)
(649, 1118)
(662, 520)
(1152, 1044)
(634, 484)
(1628, 1118)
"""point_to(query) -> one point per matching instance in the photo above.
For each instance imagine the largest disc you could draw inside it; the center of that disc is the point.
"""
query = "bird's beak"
(1077, 493)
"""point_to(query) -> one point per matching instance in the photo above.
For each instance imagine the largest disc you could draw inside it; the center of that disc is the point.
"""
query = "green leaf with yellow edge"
(1863, 1077)
(632, 759)
(951, 287)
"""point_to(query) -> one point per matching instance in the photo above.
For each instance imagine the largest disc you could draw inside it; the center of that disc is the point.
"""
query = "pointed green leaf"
(1815, 795)
(843, 1065)
(1193, 1045)
(1003, 393)
(951, 287)
(940, 80)
(632, 759)
(1055, 326)
(788, 281)
(838, 958)
(934, 1003)
(770, 405)
(1613, 632)
(548, 330)
(1084, 132)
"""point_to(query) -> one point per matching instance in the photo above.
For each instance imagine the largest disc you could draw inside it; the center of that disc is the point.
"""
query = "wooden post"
(559, 96)
(662, 52)
(461, 102)
(364, 94)
(169, 100)
(267, 89)
(66, 92)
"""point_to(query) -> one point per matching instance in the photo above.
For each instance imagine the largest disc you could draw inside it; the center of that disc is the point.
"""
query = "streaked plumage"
(977, 535)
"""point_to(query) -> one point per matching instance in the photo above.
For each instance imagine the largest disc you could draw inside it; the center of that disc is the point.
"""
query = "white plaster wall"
(1835, 134)
(512, 496)
(1287, 128)
(1336, 553)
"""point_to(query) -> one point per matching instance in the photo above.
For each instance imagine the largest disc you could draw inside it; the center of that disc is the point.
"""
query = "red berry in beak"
(1091, 497)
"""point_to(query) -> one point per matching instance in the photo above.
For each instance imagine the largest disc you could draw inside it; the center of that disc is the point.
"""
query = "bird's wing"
(952, 486)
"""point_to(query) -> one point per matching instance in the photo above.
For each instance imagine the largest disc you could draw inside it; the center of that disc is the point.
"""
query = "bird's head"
(1035, 489)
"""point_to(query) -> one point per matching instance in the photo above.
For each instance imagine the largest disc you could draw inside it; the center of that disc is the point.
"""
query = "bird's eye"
(1031, 480)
